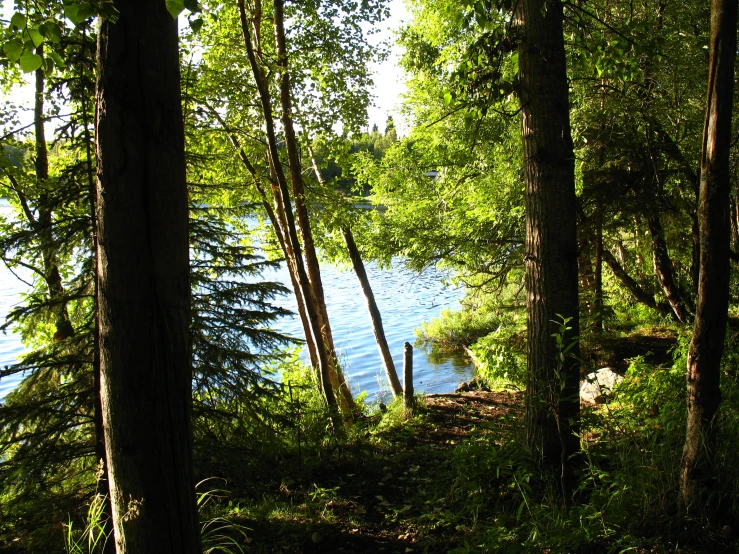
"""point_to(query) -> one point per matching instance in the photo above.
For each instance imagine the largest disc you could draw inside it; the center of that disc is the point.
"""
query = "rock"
(464, 387)
(476, 383)
(598, 386)
(316, 537)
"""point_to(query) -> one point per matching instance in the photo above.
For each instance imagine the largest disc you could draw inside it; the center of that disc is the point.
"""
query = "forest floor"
(389, 492)
(431, 484)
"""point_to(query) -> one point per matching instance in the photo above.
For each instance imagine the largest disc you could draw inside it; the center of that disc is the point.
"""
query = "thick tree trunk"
(707, 345)
(374, 312)
(143, 280)
(552, 401)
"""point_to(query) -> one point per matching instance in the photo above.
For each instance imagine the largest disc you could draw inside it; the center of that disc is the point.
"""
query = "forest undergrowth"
(454, 477)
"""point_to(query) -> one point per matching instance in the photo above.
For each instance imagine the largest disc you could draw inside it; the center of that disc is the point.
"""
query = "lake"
(405, 299)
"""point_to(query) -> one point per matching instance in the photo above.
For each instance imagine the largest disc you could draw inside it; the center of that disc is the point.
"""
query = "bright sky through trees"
(389, 78)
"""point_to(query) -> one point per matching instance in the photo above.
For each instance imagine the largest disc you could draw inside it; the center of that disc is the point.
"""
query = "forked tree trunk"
(282, 195)
(296, 176)
(143, 278)
(552, 401)
(374, 312)
(707, 345)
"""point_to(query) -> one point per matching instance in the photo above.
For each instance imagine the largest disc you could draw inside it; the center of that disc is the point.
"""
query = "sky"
(388, 77)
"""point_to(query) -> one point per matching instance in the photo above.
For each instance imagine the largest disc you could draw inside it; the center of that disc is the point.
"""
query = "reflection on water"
(10, 345)
(404, 298)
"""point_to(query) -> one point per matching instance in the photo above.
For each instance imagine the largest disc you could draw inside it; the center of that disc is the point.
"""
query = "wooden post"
(408, 402)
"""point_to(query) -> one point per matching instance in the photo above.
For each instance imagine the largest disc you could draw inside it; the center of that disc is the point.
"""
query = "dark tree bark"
(374, 311)
(707, 345)
(552, 401)
(143, 280)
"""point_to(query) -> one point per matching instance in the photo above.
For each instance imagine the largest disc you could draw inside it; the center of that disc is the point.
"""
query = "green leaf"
(175, 7)
(30, 61)
(51, 30)
(447, 98)
(18, 21)
(35, 36)
(196, 24)
(192, 5)
(71, 12)
(13, 49)
(58, 61)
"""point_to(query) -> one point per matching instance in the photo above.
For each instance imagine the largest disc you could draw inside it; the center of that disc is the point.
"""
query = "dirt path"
(386, 493)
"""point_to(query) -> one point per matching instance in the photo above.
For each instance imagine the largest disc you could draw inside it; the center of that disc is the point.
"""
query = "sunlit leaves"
(50, 30)
(13, 49)
(18, 21)
(30, 61)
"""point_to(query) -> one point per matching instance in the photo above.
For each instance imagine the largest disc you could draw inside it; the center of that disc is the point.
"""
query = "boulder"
(598, 386)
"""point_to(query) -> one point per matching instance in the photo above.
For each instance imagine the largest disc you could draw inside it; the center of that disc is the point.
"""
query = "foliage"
(93, 537)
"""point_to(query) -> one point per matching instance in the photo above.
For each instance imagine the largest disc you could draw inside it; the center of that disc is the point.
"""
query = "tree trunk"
(552, 400)
(296, 174)
(279, 228)
(387, 359)
(44, 223)
(598, 277)
(663, 268)
(633, 287)
(734, 224)
(707, 345)
(143, 280)
(282, 195)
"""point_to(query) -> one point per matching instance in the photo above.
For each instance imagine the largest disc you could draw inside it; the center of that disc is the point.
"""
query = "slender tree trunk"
(283, 195)
(387, 359)
(598, 277)
(663, 268)
(296, 175)
(278, 226)
(707, 345)
(734, 224)
(102, 489)
(552, 401)
(44, 223)
(143, 280)
(585, 269)
(633, 287)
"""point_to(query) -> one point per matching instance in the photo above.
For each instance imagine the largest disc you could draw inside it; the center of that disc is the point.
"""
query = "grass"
(455, 479)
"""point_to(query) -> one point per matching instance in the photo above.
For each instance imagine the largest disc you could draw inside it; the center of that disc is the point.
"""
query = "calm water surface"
(404, 298)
